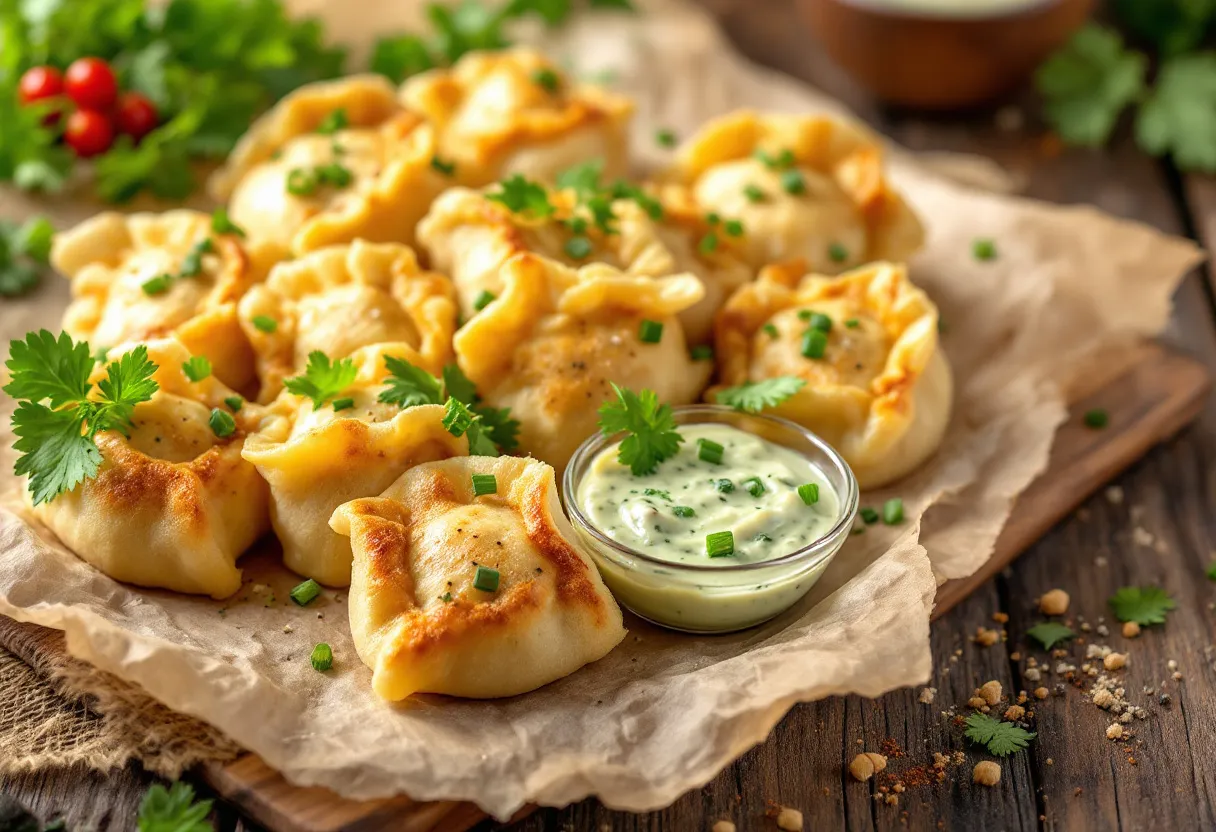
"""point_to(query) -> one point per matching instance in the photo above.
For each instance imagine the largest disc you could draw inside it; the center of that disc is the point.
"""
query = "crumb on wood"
(986, 773)
(1054, 602)
(1114, 731)
(991, 692)
(866, 764)
(789, 819)
(1115, 661)
(1114, 495)
(927, 695)
(1014, 712)
(1000, 618)
(723, 826)
(1131, 629)
(1041, 693)
(986, 637)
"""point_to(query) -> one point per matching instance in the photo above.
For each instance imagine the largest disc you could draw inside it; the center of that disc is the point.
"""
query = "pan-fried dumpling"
(881, 390)
(173, 506)
(315, 459)
(467, 595)
(803, 186)
(332, 162)
(142, 276)
(548, 347)
(514, 111)
(338, 299)
(469, 237)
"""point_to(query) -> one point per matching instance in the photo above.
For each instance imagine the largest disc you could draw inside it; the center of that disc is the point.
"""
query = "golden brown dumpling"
(341, 298)
(514, 111)
(880, 393)
(276, 183)
(548, 347)
(475, 596)
(173, 506)
(315, 459)
(808, 187)
(117, 265)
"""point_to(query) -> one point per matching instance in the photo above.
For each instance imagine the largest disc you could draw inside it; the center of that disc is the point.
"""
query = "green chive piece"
(702, 352)
(322, 657)
(893, 511)
(733, 227)
(809, 493)
(720, 544)
(484, 484)
(221, 223)
(837, 253)
(852, 323)
(484, 299)
(192, 263)
(708, 244)
(771, 330)
(1096, 418)
(334, 174)
(446, 597)
(301, 182)
(578, 248)
(486, 579)
(446, 168)
(546, 78)
(793, 183)
(754, 193)
(222, 423)
(712, 218)
(814, 343)
(983, 249)
(265, 323)
(650, 332)
(754, 486)
(709, 451)
(332, 123)
(157, 285)
(820, 321)
(869, 515)
(858, 530)
(235, 403)
(683, 511)
(805, 314)
(197, 368)
(665, 138)
(724, 486)
(305, 593)
(344, 403)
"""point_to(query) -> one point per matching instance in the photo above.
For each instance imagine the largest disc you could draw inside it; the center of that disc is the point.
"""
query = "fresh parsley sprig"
(754, 396)
(322, 379)
(56, 420)
(1146, 605)
(651, 428)
(1001, 738)
(25, 250)
(173, 810)
(520, 195)
(1050, 633)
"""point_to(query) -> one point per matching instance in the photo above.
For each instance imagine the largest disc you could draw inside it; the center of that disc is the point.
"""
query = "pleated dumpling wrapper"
(551, 345)
(469, 235)
(802, 186)
(878, 386)
(514, 111)
(468, 582)
(316, 458)
(331, 162)
(173, 506)
(141, 276)
(338, 299)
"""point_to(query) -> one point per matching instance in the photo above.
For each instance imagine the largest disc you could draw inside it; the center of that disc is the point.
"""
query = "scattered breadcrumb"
(723, 826)
(1014, 712)
(789, 819)
(1114, 495)
(1131, 629)
(1103, 698)
(866, 765)
(891, 800)
(1054, 602)
(1142, 536)
(287, 628)
(1114, 731)
(977, 702)
(1041, 693)
(986, 637)
(1115, 661)
(986, 773)
(1000, 618)
(991, 692)
(927, 695)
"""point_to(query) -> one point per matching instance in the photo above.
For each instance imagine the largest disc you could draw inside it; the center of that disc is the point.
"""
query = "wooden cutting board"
(1155, 393)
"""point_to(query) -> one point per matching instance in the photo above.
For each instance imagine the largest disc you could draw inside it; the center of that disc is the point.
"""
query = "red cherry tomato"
(91, 84)
(135, 116)
(89, 132)
(40, 82)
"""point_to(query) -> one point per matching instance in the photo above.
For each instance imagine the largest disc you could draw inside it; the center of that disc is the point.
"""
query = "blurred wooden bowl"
(941, 59)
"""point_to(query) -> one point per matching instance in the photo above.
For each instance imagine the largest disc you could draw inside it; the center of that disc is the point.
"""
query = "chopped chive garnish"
(192, 263)
(221, 223)
(322, 657)
(893, 511)
(546, 78)
(754, 486)
(709, 451)
(578, 248)
(446, 168)
(265, 323)
(762, 538)
(344, 403)
(222, 423)
(650, 332)
(486, 579)
(852, 323)
(702, 352)
(733, 227)
(814, 343)
(1096, 418)
(157, 285)
(712, 218)
(983, 249)
(333, 122)
(335, 174)
(838, 253)
(793, 183)
(804, 314)
(301, 182)
(446, 597)
(682, 511)
(869, 515)
(708, 244)
(657, 492)
(809, 493)
(858, 530)
(665, 138)
(771, 330)
(197, 368)
(820, 321)
(724, 486)
(305, 593)
(235, 403)
(484, 484)
(483, 299)
(720, 544)
(754, 193)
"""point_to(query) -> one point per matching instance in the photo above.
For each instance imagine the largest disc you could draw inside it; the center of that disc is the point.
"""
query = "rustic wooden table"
(1161, 531)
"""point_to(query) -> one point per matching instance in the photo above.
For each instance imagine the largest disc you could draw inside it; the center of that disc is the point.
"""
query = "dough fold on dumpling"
(338, 299)
(551, 343)
(173, 506)
(385, 152)
(421, 623)
(111, 257)
(514, 111)
(803, 186)
(881, 393)
(315, 459)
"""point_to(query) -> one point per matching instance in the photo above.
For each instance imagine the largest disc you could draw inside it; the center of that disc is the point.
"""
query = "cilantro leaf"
(45, 367)
(29, 156)
(1180, 116)
(458, 386)
(23, 250)
(409, 386)
(1212, 572)
(1087, 84)
(522, 196)
(465, 27)
(400, 57)
(1145, 605)
(460, 421)
(651, 427)
(1050, 633)
(583, 179)
(1001, 738)
(1174, 26)
(754, 396)
(173, 810)
(499, 427)
(322, 379)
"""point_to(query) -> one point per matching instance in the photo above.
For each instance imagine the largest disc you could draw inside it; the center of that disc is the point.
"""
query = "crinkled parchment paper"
(664, 712)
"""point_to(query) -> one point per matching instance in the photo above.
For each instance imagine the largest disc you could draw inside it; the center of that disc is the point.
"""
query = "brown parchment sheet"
(664, 712)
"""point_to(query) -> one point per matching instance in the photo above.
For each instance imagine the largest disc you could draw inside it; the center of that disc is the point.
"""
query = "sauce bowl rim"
(910, 12)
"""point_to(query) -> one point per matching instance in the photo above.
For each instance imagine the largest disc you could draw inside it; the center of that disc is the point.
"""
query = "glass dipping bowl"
(715, 598)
